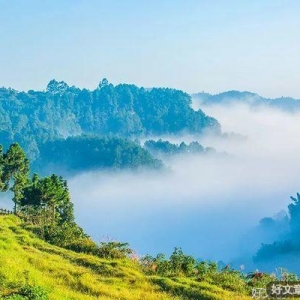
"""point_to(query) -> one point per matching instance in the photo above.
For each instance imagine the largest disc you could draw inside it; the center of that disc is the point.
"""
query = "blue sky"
(191, 45)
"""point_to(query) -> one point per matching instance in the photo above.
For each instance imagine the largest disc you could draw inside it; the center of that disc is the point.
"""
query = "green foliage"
(113, 250)
(46, 204)
(15, 169)
(66, 274)
(47, 209)
(85, 152)
(230, 280)
(27, 260)
(49, 194)
(3, 177)
(189, 289)
(77, 241)
(35, 117)
(63, 234)
(29, 292)
(259, 280)
(205, 269)
(184, 274)
(179, 264)
(165, 147)
(39, 121)
(83, 245)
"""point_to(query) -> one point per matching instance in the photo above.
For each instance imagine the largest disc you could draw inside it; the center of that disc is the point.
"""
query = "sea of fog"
(206, 204)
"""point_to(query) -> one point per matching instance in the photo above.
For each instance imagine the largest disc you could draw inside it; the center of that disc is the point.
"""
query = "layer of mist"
(207, 204)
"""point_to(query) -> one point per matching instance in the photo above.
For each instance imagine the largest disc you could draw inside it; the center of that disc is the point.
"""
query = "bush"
(178, 264)
(114, 250)
(83, 246)
(29, 292)
(230, 280)
(63, 234)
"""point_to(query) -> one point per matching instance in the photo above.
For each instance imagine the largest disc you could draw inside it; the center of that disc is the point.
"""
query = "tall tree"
(51, 194)
(3, 181)
(15, 172)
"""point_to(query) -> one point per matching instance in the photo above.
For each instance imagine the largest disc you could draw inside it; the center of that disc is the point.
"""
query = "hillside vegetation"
(64, 274)
(34, 117)
(44, 254)
(76, 154)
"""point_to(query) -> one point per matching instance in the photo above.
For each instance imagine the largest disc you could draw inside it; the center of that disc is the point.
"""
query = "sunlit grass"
(69, 275)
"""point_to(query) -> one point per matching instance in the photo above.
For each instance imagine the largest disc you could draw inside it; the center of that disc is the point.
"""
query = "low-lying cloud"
(205, 204)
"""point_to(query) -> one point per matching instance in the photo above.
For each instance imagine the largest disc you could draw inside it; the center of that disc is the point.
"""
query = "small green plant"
(113, 250)
(29, 292)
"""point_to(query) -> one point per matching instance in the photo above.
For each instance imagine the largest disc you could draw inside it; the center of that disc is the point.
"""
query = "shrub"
(114, 250)
(29, 292)
(83, 246)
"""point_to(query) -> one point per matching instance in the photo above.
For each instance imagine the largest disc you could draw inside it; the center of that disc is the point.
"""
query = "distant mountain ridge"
(284, 103)
(125, 110)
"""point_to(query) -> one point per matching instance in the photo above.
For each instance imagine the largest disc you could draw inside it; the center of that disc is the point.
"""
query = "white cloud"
(206, 203)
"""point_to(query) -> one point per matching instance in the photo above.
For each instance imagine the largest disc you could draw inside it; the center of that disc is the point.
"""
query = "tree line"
(45, 206)
(80, 153)
(34, 117)
(161, 147)
(43, 202)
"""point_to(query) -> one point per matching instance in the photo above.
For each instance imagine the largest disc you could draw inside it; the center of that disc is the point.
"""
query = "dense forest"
(35, 117)
(80, 153)
(160, 147)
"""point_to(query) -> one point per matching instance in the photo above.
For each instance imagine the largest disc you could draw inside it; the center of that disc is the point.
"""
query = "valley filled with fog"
(206, 204)
(149, 150)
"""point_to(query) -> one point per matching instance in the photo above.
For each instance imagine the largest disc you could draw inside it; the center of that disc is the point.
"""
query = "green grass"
(68, 275)
(193, 290)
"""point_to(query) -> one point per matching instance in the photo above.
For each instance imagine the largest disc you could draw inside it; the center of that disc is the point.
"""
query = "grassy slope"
(69, 275)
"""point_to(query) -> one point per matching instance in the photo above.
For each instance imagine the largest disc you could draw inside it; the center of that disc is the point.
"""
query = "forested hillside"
(45, 255)
(34, 117)
(76, 154)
